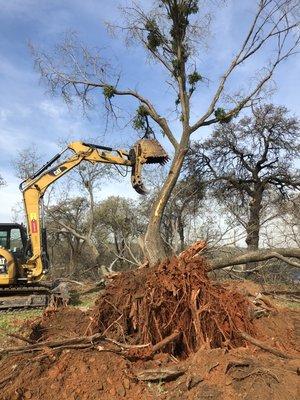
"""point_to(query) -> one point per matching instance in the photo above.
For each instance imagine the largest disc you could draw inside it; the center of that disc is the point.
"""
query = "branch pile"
(177, 300)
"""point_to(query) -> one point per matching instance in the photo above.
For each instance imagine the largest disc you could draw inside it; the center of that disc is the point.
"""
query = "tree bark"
(253, 225)
(154, 248)
(94, 250)
(254, 256)
(181, 232)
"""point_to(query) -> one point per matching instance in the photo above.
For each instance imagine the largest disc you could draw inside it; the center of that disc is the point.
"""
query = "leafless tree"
(27, 161)
(121, 222)
(86, 179)
(171, 32)
(65, 247)
(286, 225)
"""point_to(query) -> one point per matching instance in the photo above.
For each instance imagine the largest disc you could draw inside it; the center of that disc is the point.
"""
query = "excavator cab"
(13, 243)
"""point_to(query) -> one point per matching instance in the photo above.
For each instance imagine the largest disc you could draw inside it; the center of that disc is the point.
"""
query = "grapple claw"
(141, 189)
(145, 151)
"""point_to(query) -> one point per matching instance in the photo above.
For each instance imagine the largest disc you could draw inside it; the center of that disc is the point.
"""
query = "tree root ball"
(149, 304)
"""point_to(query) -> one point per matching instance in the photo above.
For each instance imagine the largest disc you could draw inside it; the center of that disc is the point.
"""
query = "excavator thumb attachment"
(145, 151)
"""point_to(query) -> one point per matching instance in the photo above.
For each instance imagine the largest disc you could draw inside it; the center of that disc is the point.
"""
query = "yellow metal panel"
(9, 278)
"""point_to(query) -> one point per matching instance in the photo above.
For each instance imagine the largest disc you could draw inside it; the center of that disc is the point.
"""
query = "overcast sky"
(28, 115)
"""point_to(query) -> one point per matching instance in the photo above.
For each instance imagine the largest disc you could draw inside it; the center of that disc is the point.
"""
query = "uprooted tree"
(172, 33)
(251, 164)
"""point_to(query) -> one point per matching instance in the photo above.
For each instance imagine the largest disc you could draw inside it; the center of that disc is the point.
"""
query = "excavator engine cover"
(145, 151)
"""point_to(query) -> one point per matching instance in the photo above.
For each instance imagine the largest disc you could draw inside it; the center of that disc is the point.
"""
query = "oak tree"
(172, 33)
(250, 163)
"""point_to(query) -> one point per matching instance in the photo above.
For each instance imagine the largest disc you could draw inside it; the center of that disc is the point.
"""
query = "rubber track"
(17, 298)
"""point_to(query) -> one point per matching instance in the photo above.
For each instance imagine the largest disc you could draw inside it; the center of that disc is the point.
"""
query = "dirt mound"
(152, 304)
(241, 373)
(215, 374)
(175, 308)
(60, 324)
(70, 375)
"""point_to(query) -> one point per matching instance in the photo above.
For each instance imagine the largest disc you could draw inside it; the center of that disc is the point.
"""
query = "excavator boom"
(36, 262)
(21, 268)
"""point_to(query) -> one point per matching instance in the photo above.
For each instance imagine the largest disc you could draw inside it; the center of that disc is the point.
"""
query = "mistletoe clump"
(193, 79)
(154, 37)
(222, 116)
(109, 92)
(140, 121)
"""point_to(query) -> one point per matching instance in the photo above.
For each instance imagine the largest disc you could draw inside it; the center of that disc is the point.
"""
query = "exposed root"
(175, 297)
(266, 347)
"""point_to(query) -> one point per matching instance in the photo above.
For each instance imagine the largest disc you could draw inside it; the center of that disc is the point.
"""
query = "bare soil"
(208, 360)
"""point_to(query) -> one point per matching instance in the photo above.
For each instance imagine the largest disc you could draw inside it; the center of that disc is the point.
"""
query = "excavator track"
(24, 297)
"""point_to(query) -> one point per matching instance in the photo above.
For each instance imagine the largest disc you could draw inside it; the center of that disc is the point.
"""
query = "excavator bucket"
(145, 151)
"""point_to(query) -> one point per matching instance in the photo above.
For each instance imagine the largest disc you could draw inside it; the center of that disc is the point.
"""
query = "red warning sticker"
(34, 226)
(33, 223)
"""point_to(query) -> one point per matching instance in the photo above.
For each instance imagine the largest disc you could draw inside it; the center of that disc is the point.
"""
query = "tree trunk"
(253, 225)
(154, 248)
(256, 256)
(94, 251)
(181, 232)
(71, 269)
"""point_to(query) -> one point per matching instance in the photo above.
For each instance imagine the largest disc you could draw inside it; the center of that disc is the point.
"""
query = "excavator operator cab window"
(11, 239)
(16, 245)
(4, 239)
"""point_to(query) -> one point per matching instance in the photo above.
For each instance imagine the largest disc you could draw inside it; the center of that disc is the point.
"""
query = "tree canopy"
(250, 162)
(172, 32)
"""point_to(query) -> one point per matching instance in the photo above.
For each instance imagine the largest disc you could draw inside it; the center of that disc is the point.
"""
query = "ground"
(244, 372)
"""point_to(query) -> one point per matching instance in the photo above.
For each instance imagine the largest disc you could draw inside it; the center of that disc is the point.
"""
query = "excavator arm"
(33, 188)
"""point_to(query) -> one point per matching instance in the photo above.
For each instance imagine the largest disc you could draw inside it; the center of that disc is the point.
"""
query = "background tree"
(2, 182)
(172, 33)
(251, 163)
(27, 161)
(66, 245)
(286, 224)
(85, 179)
(119, 220)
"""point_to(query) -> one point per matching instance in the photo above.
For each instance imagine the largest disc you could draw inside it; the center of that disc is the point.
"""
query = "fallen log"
(256, 256)
(281, 292)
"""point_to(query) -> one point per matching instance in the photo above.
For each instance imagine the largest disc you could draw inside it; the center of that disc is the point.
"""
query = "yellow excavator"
(24, 258)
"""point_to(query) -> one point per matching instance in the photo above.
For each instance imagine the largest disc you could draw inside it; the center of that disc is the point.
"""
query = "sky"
(30, 116)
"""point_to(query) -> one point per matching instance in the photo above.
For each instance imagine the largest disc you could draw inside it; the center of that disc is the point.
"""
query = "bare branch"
(255, 39)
